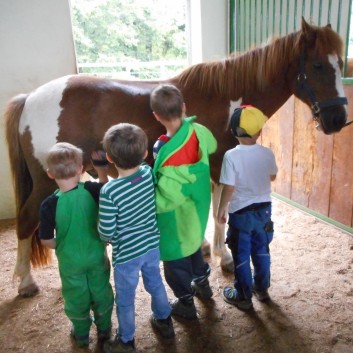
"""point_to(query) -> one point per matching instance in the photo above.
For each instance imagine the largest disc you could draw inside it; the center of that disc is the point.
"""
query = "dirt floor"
(311, 308)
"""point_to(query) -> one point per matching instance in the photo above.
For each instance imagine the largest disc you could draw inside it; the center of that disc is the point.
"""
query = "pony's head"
(318, 76)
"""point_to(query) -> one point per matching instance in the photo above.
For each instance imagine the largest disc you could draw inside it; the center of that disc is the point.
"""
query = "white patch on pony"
(232, 106)
(333, 59)
(40, 116)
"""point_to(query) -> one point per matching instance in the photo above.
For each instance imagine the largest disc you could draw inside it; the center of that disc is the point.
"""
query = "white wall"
(36, 46)
(208, 30)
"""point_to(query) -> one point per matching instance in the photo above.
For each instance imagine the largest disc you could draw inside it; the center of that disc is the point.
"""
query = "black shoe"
(163, 326)
(202, 291)
(81, 341)
(118, 346)
(261, 295)
(184, 310)
(104, 335)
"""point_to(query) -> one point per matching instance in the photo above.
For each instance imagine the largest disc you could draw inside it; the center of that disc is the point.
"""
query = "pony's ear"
(309, 33)
(329, 25)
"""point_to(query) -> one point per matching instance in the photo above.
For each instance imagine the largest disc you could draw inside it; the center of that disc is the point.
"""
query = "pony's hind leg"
(27, 285)
(219, 248)
(29, 249)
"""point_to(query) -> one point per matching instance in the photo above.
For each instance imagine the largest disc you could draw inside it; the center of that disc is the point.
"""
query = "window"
(130, 39)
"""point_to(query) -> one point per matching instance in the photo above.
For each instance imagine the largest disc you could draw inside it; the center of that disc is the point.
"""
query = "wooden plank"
(278, 135)
(341, 198)
(319, 197)
(303, 153)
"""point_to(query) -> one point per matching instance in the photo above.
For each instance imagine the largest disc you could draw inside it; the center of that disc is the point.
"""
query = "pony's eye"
(317, 66)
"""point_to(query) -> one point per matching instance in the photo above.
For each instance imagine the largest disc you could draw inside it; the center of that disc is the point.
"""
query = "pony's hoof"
(227, 265)
(28, 291)
(206, 249)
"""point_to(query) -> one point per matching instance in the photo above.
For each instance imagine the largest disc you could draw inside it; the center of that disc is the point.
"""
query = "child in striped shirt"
(127, 219)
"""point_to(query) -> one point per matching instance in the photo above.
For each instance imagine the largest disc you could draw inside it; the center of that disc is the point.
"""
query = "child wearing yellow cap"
(246, 175)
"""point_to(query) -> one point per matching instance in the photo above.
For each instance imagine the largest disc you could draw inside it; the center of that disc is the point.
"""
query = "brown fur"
(22, 180)
(256, 68)
(264, 77)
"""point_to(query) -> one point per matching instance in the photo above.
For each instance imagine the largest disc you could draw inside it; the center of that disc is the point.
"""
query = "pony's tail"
(22, 180)
(21, 177)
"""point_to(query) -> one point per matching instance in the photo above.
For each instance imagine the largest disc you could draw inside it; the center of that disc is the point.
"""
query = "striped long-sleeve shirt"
(127, 215)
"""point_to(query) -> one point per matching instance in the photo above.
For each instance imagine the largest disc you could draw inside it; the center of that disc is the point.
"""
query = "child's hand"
(100, 164)
(99, 159)
(222, 215)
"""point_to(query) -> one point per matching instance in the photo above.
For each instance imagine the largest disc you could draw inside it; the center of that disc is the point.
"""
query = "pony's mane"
(256, 68)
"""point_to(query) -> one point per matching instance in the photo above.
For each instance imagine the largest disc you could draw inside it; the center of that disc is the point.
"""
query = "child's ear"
(184, 109)
(156, 116)
(108, 158)
(146, 154)
(50, 175)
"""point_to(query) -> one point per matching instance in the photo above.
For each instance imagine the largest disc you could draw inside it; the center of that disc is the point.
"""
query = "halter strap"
(315, 105)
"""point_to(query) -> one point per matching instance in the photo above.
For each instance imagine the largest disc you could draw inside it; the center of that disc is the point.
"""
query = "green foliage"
(108, 31)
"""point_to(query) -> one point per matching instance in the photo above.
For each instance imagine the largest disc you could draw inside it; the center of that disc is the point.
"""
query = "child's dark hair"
(126, 145)
(167, 101)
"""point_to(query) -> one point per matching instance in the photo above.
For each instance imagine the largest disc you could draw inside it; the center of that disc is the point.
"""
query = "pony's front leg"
(219, 247)
(27, 287)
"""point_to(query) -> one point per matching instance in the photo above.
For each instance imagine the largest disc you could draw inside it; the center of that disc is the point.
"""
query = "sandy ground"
(311, 308)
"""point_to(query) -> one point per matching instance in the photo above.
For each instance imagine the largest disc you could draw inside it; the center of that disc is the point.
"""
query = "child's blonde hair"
(64, 160)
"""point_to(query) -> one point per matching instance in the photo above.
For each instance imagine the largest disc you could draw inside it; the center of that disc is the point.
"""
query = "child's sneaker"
(202, 290)
(81, 341)
(230, 295)
(262, 296)
(118, 346)
(184, 310)
(163, 326)
(104, 335)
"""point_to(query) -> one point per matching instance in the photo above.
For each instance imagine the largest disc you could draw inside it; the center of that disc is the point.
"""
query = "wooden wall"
(315, 170)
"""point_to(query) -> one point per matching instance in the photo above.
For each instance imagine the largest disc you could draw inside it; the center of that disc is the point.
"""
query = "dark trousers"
(180, 273)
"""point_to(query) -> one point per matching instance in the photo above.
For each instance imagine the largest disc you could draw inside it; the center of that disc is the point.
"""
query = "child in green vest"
(183, 196)
(68, 224)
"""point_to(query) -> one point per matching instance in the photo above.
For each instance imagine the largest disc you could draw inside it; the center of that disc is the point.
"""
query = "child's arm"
(50, 243)
(100, 164)
(226, 196)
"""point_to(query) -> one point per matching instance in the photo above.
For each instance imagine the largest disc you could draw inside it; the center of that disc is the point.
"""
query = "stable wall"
(315, 170)
(36, 46)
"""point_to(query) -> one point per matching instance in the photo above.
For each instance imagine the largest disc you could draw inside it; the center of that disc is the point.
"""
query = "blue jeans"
(248, 236)
(126, 278)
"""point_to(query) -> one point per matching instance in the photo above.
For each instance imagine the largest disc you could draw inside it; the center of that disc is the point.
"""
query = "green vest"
(78, 246)
(183, 194)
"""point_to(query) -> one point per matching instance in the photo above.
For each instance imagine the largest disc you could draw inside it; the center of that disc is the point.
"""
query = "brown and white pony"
(79, 109)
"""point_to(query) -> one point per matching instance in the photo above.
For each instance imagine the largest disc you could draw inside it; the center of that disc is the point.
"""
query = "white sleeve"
(273, 165)
(227, 171)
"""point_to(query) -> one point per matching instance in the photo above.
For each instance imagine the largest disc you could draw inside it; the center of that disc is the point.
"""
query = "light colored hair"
(167, 102)
(64, 160)
(126, 144)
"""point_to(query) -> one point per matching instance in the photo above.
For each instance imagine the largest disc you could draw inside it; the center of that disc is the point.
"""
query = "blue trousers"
(126, 278)
(248, 237)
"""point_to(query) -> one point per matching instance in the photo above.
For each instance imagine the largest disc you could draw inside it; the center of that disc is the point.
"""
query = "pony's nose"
(339, 120)
(332, 120)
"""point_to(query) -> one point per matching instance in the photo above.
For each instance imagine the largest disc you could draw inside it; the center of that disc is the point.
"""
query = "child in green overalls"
(68, 224)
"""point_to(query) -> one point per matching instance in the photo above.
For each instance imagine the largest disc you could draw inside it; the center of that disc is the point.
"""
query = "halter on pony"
(315, 105)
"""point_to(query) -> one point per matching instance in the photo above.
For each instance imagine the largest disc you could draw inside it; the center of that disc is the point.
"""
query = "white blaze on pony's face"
(334, 61)
(232, 106)
(40, 117)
